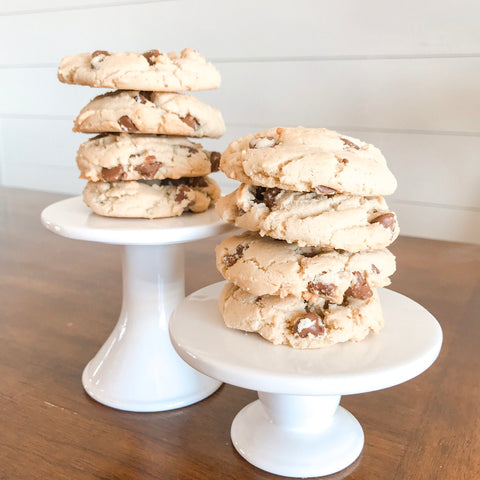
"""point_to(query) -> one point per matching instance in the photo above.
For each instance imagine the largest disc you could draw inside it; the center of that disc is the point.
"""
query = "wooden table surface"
(60, 298)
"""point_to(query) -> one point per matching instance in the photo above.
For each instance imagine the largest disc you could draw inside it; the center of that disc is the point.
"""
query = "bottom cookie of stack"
(151, 198)
(298, 323)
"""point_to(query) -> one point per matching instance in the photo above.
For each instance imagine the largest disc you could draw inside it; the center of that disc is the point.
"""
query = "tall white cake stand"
(297, 428)
(137, 369)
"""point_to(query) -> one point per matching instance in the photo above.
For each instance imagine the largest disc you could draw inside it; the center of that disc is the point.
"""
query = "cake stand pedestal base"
(137, 368)
(297, 436)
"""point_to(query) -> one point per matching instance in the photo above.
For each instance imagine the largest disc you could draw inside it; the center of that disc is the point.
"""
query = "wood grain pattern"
(60, 298)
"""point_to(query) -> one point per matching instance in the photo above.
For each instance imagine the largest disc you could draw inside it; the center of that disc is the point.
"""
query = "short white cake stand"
(137, 369)
(297, 428)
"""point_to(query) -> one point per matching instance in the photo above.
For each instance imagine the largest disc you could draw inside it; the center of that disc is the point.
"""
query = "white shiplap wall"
(402, 75)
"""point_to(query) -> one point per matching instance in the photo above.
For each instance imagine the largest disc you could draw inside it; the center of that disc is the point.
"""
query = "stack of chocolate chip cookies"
(141, 164)
(306, 273)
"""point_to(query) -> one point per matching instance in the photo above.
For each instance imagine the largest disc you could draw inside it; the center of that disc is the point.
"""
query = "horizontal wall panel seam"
(288, 59)
(258, 127)
(35, 11)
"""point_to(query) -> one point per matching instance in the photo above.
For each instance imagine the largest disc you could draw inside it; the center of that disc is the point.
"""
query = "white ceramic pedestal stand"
(296, 428)
(137, 369)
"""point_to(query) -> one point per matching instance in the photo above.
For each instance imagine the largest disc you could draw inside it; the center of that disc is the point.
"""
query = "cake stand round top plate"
(73, 219)
(407, 345)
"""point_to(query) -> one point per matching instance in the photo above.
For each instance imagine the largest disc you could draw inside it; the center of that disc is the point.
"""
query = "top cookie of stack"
(140, 166)
(151, 71)
(318, 195)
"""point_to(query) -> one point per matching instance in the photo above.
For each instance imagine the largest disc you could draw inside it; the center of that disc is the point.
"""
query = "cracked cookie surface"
(151, 198)
(308, 159)
(297, 323)
(114, 157)
(136, 111)
(264, 266)
(151, 70)
(345, 222)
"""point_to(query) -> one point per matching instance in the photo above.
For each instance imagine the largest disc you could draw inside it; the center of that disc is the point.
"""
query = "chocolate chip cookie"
(264, 266)
(135, 111)
(151, 70)
(308, 160)
(346, 222)
(114, 157)
(151, 198)
(298, 323)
